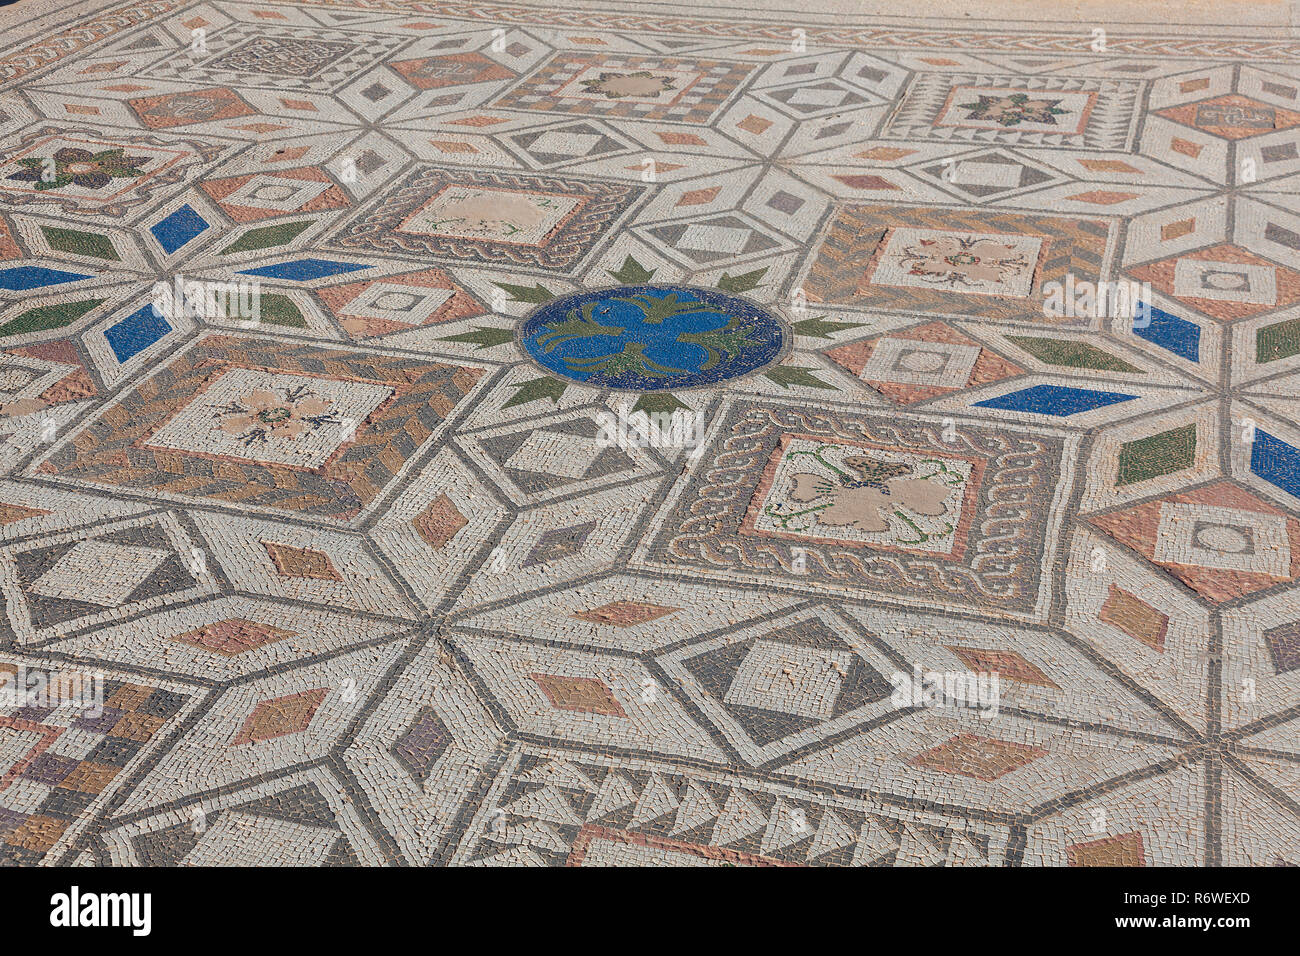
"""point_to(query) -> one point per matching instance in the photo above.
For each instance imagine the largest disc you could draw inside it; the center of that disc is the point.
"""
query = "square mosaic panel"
(973, 263)
(992, 107)
(1048, 110)
(667, 89)
(280, 57)
(492, 217)
(959, 262)
(873, 503)
(271, 425)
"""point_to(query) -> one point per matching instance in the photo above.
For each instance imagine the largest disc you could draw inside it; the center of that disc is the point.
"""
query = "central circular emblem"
(652, 338)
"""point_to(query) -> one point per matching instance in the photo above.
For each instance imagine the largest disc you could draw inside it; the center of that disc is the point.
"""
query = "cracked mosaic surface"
(364, 579)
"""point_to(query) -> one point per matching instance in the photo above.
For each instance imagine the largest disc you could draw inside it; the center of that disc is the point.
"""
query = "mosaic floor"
(445, 433)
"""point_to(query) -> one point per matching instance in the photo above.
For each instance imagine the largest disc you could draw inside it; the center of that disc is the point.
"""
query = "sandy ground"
(1236, 17)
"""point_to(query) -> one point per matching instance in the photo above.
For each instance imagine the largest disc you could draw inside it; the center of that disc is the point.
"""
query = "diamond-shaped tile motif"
(292, 562)
(559, 543)
(1008, 665)
(983, 758)
(922, 363)
(454, 69)
(280, 717)
(561, 144)
(624, 613)
(439, 522)
(817, 98)
(399, 303)
(233, 636)
(266, 195)
(548, 460)
(1059, 401)
(1224, 282)
(773, 689)
(422, 744)
(714, 239)
(991, 174)
(71, 579)
(116, 571)
(1232, 116)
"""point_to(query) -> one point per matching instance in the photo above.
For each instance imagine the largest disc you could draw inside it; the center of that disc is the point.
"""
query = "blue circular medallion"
(652, 338)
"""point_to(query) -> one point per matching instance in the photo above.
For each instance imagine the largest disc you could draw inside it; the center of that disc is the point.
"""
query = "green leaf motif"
(659, 403)
(632, 272)
(522, 293)
(819, 328)
(534, 390)
(741, 283)
(788, 375)
(485, 337)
